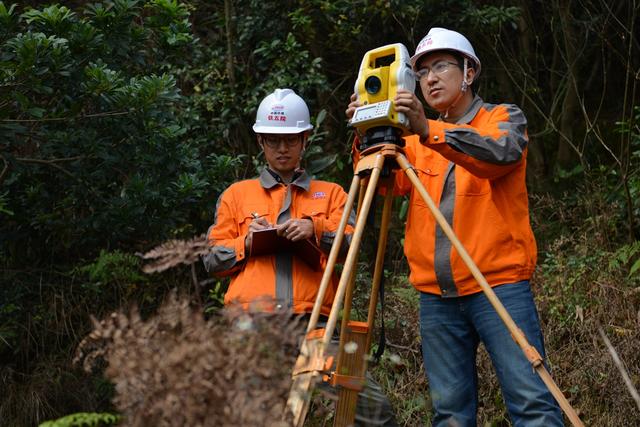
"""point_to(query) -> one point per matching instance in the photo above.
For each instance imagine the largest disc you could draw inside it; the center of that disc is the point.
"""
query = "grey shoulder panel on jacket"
(506, 149)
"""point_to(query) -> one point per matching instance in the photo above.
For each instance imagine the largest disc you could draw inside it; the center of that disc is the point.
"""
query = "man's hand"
(296, 229)
(258, 223)
(408, 103)
(351, 109)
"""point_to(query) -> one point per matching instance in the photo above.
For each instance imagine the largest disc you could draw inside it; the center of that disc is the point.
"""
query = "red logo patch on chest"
(319, 195)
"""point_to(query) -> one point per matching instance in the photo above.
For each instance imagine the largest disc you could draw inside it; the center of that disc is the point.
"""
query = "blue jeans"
(452, 328)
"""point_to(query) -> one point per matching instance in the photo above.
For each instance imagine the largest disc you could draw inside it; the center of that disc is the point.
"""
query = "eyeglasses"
(439, 68)
(273, 141)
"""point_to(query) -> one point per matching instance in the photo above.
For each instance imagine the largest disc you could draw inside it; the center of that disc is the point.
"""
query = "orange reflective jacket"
(283, 277)
(474, 170)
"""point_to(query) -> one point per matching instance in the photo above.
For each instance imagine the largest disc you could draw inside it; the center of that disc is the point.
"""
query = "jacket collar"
(269, 179)
(471, 112)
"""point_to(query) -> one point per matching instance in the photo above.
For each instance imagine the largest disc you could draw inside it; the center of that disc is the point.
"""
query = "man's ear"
(259, 139)
(471, 75)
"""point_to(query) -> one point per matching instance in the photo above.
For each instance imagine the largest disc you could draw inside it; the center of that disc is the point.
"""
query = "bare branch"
(46, 162)
(5, 169)
(196, 283)
(49, 161)
(403, 347)
(59, 119)
(545, 116)
(620, 366)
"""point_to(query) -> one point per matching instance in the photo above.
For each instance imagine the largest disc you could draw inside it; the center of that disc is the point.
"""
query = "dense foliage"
(121, 121)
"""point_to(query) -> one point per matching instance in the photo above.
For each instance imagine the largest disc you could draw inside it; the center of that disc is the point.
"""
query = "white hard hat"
(282, 112)
(443, 39)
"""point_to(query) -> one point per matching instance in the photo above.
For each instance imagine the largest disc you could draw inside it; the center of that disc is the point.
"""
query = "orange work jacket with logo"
(474, 170)
(283, 277)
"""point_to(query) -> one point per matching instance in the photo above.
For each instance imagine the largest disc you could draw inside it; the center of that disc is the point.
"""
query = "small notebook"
(267, 242)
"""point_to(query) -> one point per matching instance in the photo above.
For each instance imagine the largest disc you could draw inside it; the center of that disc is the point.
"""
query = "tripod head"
(381, 135)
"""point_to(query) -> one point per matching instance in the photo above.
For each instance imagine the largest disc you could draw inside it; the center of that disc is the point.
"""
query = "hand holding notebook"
(267, 241)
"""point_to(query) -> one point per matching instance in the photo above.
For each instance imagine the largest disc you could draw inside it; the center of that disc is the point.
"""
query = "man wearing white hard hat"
(472, 161)
(284, 197)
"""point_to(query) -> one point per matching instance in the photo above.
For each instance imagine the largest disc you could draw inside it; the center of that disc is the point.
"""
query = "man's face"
(441, 80)
(282, 151)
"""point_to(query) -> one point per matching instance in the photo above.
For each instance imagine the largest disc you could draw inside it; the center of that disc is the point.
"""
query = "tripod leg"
(352, 365)
(300, 394)
(348, 297)
(382, 245)
(377, 274)
(333, 254)
(311, 357)
(530, 352)
(354, 248)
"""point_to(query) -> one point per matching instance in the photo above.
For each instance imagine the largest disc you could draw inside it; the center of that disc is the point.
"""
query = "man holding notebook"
(284, 212)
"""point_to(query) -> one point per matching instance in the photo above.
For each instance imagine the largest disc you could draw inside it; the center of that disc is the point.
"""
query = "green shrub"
(83, 419)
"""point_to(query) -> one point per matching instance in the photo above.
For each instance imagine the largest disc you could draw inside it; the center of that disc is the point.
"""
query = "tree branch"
(620, 366)
(402, 347)
(47, 162)
(228, 24)
(5, 169)
(59, 119)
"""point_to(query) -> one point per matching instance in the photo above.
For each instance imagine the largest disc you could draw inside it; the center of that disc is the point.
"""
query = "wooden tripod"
(352, 362)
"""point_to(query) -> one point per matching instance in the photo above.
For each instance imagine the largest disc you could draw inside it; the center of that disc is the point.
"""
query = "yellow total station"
(383, 72)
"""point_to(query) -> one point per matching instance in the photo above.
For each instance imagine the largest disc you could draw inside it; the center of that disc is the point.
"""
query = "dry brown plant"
(175, 252)
(178, 368)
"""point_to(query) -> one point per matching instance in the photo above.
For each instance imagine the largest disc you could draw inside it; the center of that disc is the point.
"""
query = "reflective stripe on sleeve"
(442, 256)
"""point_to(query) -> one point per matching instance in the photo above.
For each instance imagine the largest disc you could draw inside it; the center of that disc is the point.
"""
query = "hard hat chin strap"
(465, 84)
(463, 89)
